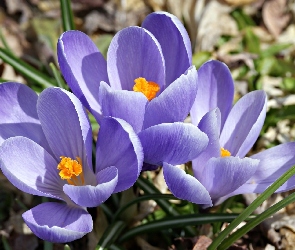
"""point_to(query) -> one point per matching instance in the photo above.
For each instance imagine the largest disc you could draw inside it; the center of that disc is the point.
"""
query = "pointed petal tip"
(185, 186)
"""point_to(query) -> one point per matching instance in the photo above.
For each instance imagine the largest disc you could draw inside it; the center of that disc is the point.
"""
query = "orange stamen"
(149, 89)
(224, 152)
(70, 170)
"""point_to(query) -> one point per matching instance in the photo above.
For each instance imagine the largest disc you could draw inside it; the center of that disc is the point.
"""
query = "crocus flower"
(222, 167)
(60, 164)
(148, 80)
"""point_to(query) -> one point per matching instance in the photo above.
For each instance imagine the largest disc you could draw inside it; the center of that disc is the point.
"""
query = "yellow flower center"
(70, 170)
(224, 153)
(149, 89)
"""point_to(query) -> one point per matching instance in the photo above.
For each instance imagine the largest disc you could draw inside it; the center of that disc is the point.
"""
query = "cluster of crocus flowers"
(223, 168)
(147, 80)
(49, 153)
(140, 97)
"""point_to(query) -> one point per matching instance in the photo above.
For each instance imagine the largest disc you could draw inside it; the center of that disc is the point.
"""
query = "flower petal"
(222, 176)
(119, 146)
(30, 168)
(67, 127)
(244, 123)
(83, 67)
(175, 102)
(185, 186)
(57, 222)
(127, 105)
(93, 196)
(210, 125)
(273, 163)
(215, 89)
(174, 143)
(174, 40)
(18, 113)
(134, 52)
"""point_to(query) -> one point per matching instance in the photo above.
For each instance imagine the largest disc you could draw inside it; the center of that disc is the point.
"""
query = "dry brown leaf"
(215, 22)
(202, 243)
(275, 17)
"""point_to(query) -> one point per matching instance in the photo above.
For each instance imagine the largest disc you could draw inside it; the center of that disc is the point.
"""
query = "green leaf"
(251, 208)
(103, 43)
(288, 84)
(179, 221)
(166, 206)
(67, 15)
(275, 115)
(274, 49)
(242, 19)
(60, 82)
(268, 66)
(26, 69)
(143, 198)
(110, 235)
(48, 245)
(257, 220)
(251, 41)
(200, 57)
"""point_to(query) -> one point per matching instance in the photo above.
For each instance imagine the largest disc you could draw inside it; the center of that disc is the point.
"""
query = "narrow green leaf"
(258, 219)
(110, 235)
(144, 198)
(251, 208)
(179, 221)
(108, 212)
(252, 42)
(48, 245)
(166, 206)
(67, 15)
(201, 57)
(242, 19)
(26, 69)
(5, 243)
(148, 188)
(5, 44)
(274, 49)
(60, 82)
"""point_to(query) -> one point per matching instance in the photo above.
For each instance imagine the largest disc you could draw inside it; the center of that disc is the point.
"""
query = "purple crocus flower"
(56, 162)
(222, 167)
(148, 80)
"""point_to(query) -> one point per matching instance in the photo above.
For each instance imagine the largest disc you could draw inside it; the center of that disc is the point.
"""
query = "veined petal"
(244, 123)
(210, 125)
(18, 113)
(67, 127)
(215, 89)
(58, 222)
(127, 105)
(175, 102)
(83, 67)
(174, 143)
(185, 186)
(134, 52)
(222, 176)
(93, 196)
(119, 146)
(174, 40)
(273, 163)
(30, 168)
